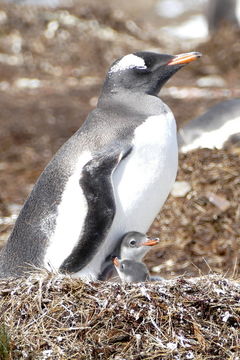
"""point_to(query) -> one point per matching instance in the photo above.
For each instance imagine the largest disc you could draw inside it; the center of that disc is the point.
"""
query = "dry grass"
(52, 317)
(196, 235)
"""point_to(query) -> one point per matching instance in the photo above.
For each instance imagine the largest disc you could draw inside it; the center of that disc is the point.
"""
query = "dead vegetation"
(52, 317)
(196, 234)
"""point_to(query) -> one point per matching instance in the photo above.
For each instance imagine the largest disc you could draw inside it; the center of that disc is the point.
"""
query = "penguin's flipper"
(96, 183)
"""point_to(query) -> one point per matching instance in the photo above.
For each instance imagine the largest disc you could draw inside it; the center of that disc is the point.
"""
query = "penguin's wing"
(96, 183)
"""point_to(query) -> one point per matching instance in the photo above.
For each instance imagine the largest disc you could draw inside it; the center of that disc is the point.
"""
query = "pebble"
(211, 81)
(180, 189)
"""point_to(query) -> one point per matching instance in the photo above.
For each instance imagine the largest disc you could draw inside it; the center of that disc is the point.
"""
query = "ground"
(51, 317)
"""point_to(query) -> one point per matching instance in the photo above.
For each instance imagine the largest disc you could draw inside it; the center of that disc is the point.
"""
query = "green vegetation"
(4, 343)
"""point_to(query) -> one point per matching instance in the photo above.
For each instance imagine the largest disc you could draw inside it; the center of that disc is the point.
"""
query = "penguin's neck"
(132, 102)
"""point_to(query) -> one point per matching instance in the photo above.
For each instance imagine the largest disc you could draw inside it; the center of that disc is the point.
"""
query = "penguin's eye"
(122, 266)
(142, 70)
(132, 242)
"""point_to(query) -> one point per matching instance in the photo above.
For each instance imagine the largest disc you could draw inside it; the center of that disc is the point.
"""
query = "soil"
(52, 64)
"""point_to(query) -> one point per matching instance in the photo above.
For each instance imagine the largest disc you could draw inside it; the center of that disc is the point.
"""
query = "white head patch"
(128, 62)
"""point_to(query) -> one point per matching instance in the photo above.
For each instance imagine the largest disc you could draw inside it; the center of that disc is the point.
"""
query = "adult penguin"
(218, 127)
(112, 176)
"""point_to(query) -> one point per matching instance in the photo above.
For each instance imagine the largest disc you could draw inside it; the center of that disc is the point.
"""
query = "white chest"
(141, 183)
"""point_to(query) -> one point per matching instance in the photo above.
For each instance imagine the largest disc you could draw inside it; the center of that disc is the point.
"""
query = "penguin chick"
(135, 245)
(130, 270)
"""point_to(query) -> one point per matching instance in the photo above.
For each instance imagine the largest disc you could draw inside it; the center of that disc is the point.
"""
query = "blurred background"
(53, 58)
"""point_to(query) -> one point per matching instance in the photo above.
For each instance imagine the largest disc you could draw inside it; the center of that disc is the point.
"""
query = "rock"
(219, 201)
(211, 81)
(180, 189)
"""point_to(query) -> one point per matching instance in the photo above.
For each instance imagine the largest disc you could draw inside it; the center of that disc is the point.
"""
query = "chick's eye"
(122, 266)
(132, 242)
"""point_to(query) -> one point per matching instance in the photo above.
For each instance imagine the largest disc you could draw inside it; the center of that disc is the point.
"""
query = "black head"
(144, 71)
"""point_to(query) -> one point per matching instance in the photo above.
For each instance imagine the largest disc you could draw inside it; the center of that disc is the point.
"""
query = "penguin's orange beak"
(116, 261)
(151, 242)
(183, 59)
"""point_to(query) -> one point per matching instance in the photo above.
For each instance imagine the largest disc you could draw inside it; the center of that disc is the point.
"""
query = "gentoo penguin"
(133, 246)
(112, 176)
(130, 270)
(212, 129)
(220, 12)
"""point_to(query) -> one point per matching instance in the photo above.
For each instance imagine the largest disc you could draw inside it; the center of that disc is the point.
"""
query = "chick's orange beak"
(116, 261)
(151, 242)
(183, 59)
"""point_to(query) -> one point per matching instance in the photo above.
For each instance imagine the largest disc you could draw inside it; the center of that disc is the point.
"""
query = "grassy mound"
(54, 317)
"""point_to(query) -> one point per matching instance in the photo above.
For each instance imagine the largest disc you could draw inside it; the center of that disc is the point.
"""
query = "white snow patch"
(171, 346)
(226, 316)
(183, 341)
(144, 292)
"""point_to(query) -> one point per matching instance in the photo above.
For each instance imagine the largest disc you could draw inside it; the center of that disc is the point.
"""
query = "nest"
(53, 317)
